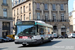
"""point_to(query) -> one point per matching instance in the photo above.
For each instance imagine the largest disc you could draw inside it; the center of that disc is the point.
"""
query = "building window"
(5, 12)
(24, 17)
(63, 27)
(21, 10)
(54, 17)
(38, 6)
(46, 16)
(53, 7)
(5, 1)
(17, 18)
(17, 11)
(24, 9)
(38, 15)
(46, 6)
(54, 27)
(62, 7)
(19, 1)
(21, 17)
(29, 16)
(14, 12)
(6, 26)
(62, 16)
(22, 0)
(29, 7)
(15, 2)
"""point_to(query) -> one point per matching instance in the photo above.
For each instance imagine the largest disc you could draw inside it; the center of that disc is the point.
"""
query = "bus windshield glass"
(25, 30)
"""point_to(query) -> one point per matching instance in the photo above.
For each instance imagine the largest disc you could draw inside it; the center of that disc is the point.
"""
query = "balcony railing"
(46, 10)
(47, 20)
(4, 4)
(7, 18)
(63, 20)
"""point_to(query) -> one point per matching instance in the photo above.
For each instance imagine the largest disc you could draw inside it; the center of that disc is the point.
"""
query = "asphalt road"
(56, 44)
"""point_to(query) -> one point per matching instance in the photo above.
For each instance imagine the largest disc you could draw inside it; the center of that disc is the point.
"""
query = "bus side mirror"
(14, 28)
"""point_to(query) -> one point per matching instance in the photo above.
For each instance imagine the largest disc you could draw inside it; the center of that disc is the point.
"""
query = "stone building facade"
(54, 12)
(6, 20)
(72, 17)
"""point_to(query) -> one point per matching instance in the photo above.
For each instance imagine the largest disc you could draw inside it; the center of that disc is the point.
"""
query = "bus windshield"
(25, 30)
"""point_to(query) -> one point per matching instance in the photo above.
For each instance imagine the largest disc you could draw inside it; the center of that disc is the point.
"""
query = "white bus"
(32, 32)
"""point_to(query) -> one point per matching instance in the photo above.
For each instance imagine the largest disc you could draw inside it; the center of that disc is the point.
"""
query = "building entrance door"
(63, 33)
(5, 33)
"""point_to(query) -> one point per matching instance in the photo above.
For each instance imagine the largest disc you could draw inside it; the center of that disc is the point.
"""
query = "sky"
(70, 5)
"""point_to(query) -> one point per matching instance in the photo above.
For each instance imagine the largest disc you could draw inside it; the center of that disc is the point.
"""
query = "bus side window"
(41, 31)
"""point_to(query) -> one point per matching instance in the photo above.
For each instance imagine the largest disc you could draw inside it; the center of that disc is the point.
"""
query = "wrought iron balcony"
(46, 10)
(63, 20)
(38, 9)
(7, 18)
(4, 4)
(47, 20)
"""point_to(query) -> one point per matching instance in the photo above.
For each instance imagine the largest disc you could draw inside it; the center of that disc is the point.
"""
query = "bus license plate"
(24, 42)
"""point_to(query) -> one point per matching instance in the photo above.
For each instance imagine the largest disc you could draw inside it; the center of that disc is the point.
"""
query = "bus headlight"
(16, 37)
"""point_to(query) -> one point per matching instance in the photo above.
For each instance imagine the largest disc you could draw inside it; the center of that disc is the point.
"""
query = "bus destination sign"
(26, 23)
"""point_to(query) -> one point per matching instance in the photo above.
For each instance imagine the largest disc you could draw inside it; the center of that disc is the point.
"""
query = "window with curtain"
(14, 12)
(46, 6)
(24, 8)
(21, 10)
(24, 17)
(46, 16)
(38, 15)
(29, 16)
(15, 2)
(5, 1)
(19, 1)
(5, 12)
(21, 17)
(17, 11)
(17, 18)
(62, 16)
(29, 7)
(54, 16)
(61, 6)
(38, 6)
(53, 7)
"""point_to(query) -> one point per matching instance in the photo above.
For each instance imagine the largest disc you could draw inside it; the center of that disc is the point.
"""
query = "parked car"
(3, 39)
(55, 35)
(10, 39)
(66, 36)
(51, 36)
(61, 36)
(72, 35)
(11, 36)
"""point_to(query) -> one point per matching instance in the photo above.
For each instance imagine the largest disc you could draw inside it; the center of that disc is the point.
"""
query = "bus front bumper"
(24, 41)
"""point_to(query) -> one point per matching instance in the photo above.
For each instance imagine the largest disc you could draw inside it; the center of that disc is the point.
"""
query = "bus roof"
(42, 23)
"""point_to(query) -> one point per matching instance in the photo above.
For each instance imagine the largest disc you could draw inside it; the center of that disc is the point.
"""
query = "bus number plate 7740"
(24, 42)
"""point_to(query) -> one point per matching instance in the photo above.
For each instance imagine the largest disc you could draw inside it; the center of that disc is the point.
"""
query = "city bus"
(32, 32)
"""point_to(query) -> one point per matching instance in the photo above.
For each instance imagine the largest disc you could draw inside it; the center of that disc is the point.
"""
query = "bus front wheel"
(49, 39)
(42, 41)
(24, 44)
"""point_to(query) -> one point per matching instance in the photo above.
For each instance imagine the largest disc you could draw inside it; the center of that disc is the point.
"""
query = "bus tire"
(49, 39)
(24, 44)
(42, 40)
